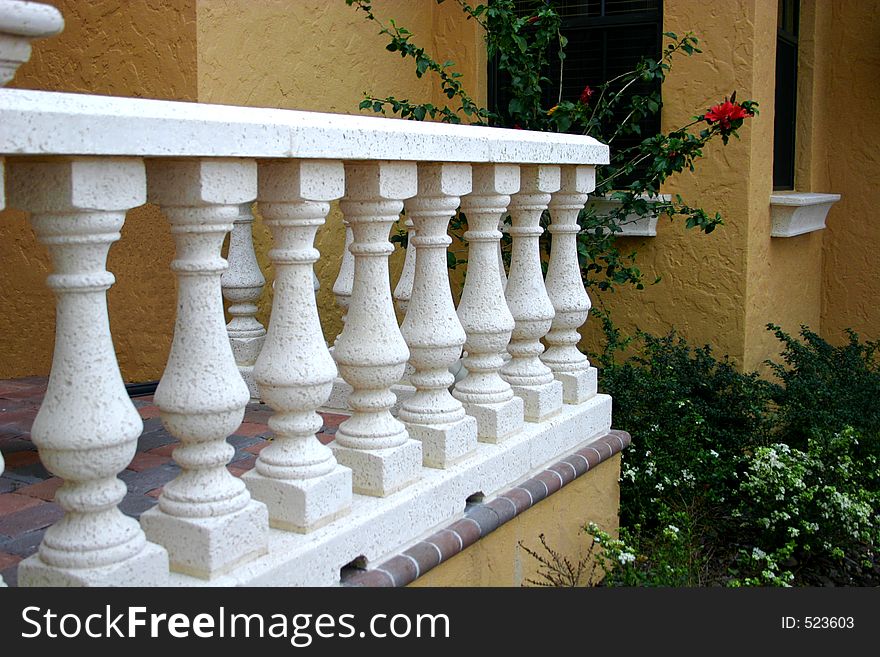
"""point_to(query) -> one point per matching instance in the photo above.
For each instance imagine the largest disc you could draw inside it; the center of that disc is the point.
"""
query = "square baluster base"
(147, 568)
(578, 387)
(446, 444)
(496, 422)
(381, 472)
(302, 505)
(208, 547)
(540, 402)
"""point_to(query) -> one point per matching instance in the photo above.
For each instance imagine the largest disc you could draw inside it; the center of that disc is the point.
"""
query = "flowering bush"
(813, 510)
(772, 488)
(732, 480)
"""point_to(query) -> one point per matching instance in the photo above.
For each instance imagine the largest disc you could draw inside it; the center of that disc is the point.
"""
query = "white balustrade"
(403, 290)
(370, 352)
(502, 274)
(20, 23)
(527, 297)
(432, 329)
(79, 162)
(483, 310)
(242, 285)
(87, 428)
(345, 280)
(565, 287)
(205, 517)
(296, 476)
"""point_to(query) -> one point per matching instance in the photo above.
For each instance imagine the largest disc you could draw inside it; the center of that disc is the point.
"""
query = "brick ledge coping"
(482, 519)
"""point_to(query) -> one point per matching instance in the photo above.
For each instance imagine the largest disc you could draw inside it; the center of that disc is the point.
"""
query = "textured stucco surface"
(499, 560)
(724, 288)
(851, 285)
(147, 49)
(703, 276)
(721, 288)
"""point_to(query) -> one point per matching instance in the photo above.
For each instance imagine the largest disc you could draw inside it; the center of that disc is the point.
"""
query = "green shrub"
(809, 516)
(825, 387)
(735, 480)
(691, 416)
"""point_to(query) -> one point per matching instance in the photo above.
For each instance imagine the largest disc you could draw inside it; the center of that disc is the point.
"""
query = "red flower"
(517, 126)
(586, 94)
(725, 113)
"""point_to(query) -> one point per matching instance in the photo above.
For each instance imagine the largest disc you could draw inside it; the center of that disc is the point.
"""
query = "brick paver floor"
(27, 489)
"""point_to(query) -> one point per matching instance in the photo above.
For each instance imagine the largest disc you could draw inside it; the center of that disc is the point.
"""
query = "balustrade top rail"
(51, 123)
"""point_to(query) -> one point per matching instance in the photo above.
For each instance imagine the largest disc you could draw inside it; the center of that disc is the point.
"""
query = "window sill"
(797, 213)
(633, 225)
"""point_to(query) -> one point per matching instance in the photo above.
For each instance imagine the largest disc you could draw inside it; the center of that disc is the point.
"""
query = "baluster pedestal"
(565, 287)
(371, 353)
(483, 312)
(527, 297)
(87, 428)
(205, 517)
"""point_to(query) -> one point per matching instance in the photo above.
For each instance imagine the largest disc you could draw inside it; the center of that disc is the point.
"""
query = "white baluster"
(20, 23)
(87, 428)
(296, 476)
(566, 288)
(403, 290)
(527, 297)
(432, 330)
(242, 285)
(342, 291)
(502, 274)
(205, 517)
(371, 353)
(483, 311)
(345, 280)
(402, 295)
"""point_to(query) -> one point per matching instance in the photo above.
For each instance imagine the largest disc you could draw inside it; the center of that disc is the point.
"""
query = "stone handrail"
(78, 163)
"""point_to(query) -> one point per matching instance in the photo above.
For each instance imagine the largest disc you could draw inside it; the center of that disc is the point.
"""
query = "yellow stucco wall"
(703, 276)
(143, 48)
(498, 559)
(724, 288)
(309, 54)
(315, 55)
(323, 56)
(851, 285)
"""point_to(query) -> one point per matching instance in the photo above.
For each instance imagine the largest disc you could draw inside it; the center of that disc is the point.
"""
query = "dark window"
(605, 39)
(786, 94)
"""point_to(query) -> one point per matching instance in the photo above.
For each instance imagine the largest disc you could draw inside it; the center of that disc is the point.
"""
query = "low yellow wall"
(498, 559)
